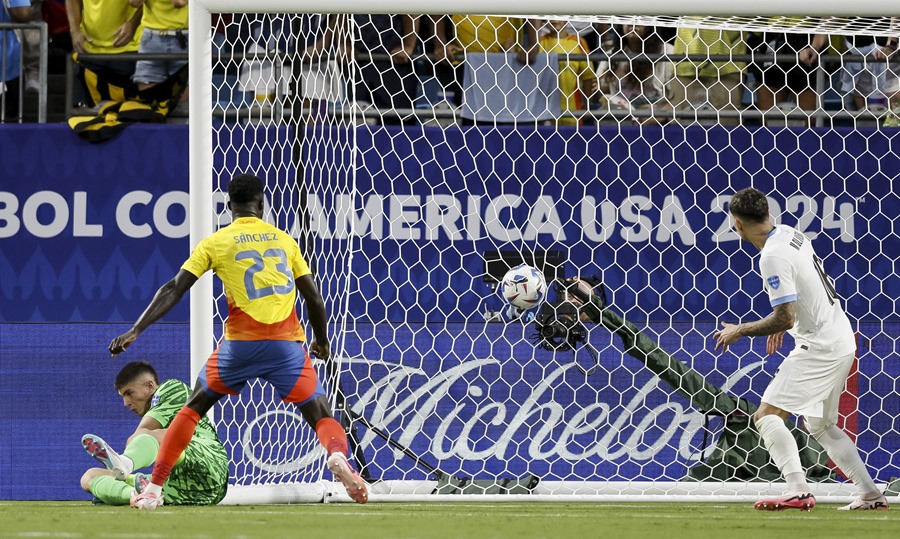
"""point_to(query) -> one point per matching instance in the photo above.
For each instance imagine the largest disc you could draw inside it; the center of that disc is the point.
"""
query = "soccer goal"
(412, 183)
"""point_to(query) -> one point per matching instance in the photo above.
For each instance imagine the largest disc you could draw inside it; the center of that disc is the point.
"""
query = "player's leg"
(296, 381)
(791, 391)
(782, 448)
(103, 486)
(317, 413)
(200, 477)
(119, 465)
(842, 450)
(143, 446)
(140, 452)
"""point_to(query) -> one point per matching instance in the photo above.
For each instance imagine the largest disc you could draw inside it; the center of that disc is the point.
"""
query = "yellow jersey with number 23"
(258, 264)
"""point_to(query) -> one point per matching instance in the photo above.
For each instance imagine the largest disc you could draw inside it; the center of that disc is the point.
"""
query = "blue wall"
(89, 232)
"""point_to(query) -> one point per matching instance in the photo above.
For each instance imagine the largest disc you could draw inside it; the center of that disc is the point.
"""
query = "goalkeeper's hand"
(586, 287)
(515, 313)
(582, 285)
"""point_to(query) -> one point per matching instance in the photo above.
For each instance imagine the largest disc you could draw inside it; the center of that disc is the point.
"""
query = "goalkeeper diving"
(739, 454)
(200, 477)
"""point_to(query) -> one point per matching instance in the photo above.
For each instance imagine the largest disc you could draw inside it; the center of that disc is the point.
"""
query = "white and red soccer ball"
(524, 287)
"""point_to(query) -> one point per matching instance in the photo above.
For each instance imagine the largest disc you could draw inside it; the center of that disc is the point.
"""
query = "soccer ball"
(523, 287)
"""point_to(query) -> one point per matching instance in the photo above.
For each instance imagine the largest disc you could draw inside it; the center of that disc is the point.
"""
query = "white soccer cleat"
(859, 504)
(147, 501)
(343, 470)
(120, 466)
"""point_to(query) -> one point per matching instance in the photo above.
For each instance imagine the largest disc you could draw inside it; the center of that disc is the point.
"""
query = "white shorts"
(868, 77)
(892, 82)
(809, 383)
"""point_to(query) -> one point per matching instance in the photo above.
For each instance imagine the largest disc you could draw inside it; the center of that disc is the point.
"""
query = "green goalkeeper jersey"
(200, 477)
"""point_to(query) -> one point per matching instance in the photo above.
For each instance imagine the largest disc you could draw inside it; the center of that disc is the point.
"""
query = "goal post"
(404, 215)
(200, 138)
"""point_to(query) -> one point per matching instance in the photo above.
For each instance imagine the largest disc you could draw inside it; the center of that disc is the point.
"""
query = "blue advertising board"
(88, 233)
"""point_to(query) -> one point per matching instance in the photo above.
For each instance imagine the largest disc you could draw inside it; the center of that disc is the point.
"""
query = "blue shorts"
(284, 364)
(154, 71)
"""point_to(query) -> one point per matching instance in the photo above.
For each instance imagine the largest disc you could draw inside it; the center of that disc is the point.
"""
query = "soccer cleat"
(859, 504)
(343, 470)
(141, 480)
(803, 501)
(146, 500)
(120, 466)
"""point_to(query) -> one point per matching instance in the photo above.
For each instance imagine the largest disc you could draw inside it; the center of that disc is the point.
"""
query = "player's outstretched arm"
(779, 320)
(315, 307)
(166, 297)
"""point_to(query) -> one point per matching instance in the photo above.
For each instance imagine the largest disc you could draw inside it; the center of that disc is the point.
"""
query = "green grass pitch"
(433, 520)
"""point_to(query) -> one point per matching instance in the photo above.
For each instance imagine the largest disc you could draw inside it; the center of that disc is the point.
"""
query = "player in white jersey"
(811, 378)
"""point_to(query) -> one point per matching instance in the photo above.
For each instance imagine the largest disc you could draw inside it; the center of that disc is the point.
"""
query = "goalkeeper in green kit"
(200, 477)
(739, 454)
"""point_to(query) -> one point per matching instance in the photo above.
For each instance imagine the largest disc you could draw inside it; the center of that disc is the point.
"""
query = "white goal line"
(546, 491)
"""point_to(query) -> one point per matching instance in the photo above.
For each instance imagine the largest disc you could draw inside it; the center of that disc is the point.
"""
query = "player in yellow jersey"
(261, 269)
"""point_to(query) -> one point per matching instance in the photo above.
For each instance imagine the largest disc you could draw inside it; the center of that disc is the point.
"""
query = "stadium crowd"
(408, 69)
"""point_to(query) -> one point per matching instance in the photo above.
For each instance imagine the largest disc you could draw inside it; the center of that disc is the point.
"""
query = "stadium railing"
(42, 67)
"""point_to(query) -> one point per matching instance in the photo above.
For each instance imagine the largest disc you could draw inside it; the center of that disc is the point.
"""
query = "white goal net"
(417, 157)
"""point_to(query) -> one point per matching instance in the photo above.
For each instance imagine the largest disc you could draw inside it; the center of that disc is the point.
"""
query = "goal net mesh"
(415, 158)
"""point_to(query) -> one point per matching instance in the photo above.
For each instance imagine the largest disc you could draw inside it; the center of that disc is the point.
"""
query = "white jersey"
(791, 271)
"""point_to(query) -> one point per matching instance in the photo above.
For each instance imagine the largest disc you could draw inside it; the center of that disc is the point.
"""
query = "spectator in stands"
(865, 80)
(577, 80)
(476, 33)
(384, 46)
(261, 36)
(641, 81)
(59, 35)
(315, 80)
(700, 83)
(892, 84)
(642, 77)
(384, 51)
(165, 31)
(607, 70)
(459, 34)
(795, 79)
(31, 50)
(10, 81)
(54, 14)
(104, 27)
